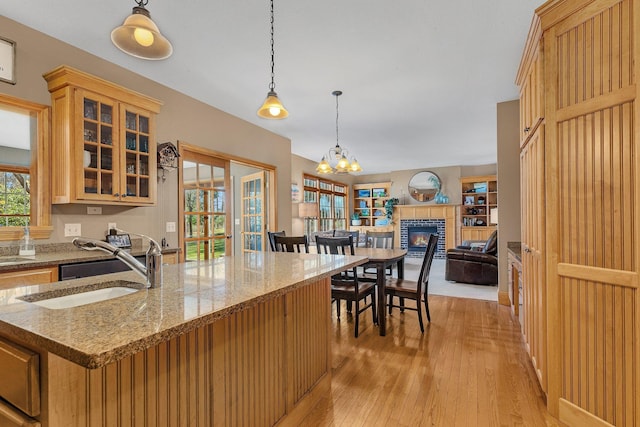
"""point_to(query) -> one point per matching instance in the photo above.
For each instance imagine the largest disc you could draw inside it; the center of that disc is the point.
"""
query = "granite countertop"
(192, 295)
(69, 254)
(515, 249)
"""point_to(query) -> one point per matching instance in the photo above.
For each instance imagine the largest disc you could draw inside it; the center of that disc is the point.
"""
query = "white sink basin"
(82, 298)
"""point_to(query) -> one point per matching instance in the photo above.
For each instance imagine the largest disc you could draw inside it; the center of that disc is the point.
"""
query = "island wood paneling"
(591, 196)
(249, 369)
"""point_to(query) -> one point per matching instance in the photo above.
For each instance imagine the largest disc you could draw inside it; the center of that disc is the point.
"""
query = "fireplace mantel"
(433, 211)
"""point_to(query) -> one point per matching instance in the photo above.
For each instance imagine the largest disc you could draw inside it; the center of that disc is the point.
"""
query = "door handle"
(228, 236)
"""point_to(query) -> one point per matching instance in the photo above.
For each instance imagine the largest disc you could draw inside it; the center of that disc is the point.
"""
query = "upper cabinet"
(530, 79)
(103, 141)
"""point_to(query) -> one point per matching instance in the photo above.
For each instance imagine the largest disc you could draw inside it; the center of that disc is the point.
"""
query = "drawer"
(9, 417)
(20, 373)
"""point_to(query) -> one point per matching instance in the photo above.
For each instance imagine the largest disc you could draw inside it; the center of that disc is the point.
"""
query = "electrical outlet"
(111, 226)
(94, 210)
(171, 227)
(72, 230)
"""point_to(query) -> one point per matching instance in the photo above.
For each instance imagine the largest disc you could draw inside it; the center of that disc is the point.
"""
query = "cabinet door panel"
(96, 127)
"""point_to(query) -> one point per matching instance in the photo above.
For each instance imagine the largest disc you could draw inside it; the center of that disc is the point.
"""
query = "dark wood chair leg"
(426, 306)
(420, 316)
(338, 308)
(401, 305)
(390, 303)
(357, 322)
(373, 310)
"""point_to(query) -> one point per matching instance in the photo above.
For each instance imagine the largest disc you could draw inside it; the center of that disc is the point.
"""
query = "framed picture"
(7, 61)
(469, 200)
(295, 193)
(379, 192)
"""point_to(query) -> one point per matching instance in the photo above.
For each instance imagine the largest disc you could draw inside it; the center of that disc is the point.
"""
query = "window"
(331, 198)
(24, 181)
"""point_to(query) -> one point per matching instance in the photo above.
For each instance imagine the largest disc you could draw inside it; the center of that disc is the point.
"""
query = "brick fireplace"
(414, 235)
(426, 218)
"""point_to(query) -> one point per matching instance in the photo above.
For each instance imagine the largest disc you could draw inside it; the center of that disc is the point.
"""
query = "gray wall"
(181, 118)
(508, 184)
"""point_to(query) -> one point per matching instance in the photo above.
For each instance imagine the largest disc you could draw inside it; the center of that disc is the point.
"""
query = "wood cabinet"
(479, 197)
(103, 141)
(25, 277)
(579, 175)
(369, 200)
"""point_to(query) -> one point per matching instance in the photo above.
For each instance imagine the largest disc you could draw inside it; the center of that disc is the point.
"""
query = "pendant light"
(272, 108)
(139, 36)
(340, 154)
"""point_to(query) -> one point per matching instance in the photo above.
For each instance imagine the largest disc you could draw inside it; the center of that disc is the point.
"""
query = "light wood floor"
(470, 368)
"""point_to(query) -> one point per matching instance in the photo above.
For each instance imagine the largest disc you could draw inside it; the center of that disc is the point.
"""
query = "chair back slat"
(291, 244)
(423, 278)
(353, 233)
(335, 245)
(380, 239)
(272, 235)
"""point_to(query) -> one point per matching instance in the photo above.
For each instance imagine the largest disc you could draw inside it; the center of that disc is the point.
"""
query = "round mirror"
(424, 186)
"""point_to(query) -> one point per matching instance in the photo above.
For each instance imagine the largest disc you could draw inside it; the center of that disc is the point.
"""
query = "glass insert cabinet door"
(206, 223)
(253, 212)
(117, 150)
(99, 132)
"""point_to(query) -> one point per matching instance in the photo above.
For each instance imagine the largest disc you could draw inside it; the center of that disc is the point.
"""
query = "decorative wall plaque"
(7, 61)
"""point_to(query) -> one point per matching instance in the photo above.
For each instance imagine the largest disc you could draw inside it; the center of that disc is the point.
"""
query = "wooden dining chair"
(272, 235)
(353, 233)
(409, 289)
(347, 286)
(380, 240)
(291, 244)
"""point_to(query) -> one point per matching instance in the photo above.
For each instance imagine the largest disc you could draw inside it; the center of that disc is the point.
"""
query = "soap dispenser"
(27, 248)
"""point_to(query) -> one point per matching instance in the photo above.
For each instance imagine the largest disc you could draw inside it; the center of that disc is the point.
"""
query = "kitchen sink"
(83, 295)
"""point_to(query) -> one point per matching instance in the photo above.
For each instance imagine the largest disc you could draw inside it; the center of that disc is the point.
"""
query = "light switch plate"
(72, 230)
(111, 225)
(171, 227)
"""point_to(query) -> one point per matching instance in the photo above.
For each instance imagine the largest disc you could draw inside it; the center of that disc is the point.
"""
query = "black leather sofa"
(478, 267)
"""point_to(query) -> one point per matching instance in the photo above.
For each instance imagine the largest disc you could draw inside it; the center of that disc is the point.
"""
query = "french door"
(253, 212)
(204, 205)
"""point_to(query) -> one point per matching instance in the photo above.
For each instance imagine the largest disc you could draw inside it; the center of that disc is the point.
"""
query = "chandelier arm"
(141, 3)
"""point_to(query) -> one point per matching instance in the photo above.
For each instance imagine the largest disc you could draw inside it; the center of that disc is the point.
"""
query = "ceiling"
(420, 79)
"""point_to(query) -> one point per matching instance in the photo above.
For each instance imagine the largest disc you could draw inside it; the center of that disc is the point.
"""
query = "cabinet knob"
(527, 129)
(527, 250)
(124, 195)
(116, 195)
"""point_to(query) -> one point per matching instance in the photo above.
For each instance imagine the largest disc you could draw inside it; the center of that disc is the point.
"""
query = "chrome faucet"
(152, 271)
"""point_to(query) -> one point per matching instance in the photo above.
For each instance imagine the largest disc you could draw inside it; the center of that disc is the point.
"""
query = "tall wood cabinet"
(479, 198)
(580, 188)
(103, 141)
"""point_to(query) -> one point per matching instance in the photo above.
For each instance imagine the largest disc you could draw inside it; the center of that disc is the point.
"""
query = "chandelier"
(340, 154)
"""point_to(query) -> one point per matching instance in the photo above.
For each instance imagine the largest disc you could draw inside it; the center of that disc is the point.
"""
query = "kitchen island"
(235, 341)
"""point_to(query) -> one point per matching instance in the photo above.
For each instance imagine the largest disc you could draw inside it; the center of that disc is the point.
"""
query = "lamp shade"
(308, 210)
(272, 108)
(139, 36)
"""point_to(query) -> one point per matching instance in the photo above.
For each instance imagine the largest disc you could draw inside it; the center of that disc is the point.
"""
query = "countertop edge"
(98, 360)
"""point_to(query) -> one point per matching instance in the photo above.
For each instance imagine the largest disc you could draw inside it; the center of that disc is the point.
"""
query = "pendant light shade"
(272, 108)
(139, 36)
(343, 165)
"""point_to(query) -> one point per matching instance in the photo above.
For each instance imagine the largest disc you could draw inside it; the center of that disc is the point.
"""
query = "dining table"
(381, 259)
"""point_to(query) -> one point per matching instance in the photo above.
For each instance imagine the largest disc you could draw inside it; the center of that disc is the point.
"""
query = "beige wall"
(181, 118)
(508, 183)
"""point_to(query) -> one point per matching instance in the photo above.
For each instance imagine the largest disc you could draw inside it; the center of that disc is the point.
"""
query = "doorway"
(227, 204)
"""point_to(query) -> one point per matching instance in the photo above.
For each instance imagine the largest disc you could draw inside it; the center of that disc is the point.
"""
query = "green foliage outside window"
(15, 199)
